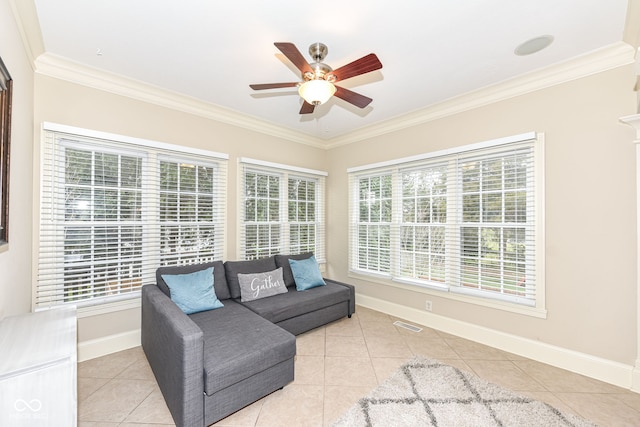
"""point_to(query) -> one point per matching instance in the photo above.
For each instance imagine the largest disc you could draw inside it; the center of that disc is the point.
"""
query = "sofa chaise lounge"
(211, 363)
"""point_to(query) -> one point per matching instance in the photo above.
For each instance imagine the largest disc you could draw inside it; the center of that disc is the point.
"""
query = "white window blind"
(374, 223)
(114, 209)
(282, 210)
(464, 220)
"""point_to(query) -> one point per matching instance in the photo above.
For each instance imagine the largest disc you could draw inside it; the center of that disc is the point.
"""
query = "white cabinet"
(38, 369)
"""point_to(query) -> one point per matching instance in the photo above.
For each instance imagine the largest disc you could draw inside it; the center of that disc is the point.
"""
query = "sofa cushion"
(232, 268)
(261, 285)
(239, 344)
(292, 304)
(193, 292)
(283, 261)
(219, 277)
(306, 273)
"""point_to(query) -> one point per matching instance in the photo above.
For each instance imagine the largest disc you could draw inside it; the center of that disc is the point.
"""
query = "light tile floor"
(335, 366)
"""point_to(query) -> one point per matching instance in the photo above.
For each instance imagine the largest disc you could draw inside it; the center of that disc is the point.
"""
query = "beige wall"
(15, 259)
(590, 211)
(71, 104)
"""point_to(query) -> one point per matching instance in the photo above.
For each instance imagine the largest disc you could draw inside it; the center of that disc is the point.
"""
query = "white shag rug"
(426, 392)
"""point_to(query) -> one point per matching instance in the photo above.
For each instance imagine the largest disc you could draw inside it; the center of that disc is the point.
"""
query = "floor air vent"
(407, 326)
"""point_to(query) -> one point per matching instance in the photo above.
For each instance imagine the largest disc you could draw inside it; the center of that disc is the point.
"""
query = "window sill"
(110, 307)
(455, 296)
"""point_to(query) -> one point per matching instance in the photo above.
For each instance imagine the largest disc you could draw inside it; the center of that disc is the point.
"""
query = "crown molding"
(26, 18)
(55, 66)
(609, 57)
(612, 56)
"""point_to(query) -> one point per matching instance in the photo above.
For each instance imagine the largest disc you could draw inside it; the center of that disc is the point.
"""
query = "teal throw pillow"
(193, 292)
(306, 273)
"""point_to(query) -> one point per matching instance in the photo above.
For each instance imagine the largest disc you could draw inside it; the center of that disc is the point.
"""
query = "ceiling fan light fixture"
(318, 86)
(316, 92)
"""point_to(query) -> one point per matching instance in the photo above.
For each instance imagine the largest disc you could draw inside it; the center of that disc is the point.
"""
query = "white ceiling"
(431, 50)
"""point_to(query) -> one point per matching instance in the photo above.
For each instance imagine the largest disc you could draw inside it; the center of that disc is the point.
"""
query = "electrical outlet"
(428, 305)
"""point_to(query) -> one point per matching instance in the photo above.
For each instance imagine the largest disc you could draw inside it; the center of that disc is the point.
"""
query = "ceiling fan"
(318, 78)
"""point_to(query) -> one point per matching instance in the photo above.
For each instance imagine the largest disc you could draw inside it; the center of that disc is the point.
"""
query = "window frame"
(6, 101)
(49, 289)
(448, 288)
(284, 173)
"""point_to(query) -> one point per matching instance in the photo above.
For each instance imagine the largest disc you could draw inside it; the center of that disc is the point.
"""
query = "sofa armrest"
(174, 347)
(352, 293)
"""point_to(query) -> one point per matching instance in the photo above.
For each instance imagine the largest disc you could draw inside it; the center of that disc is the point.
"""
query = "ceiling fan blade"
(364, 65)
(307, 108)
(293, 54)
(272, 85)
(351, 97)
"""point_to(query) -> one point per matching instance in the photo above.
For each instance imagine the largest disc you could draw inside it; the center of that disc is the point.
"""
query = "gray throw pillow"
(233, 268)
(260, 285)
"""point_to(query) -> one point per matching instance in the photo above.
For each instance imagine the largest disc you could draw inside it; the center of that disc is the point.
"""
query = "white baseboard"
(598, 368)
(102, 346)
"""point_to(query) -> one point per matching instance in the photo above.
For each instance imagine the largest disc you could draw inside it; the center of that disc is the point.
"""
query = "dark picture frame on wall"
(6, 89)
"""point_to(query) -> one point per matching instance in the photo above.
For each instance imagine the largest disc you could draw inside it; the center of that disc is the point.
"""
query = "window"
(282, 210)
(374, 225)
(423, 223)
(190, 212)
(463, 221)
(6, 89)
(114, 209)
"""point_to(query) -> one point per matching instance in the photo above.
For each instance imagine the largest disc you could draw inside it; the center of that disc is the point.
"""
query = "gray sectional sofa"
(211, 363)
